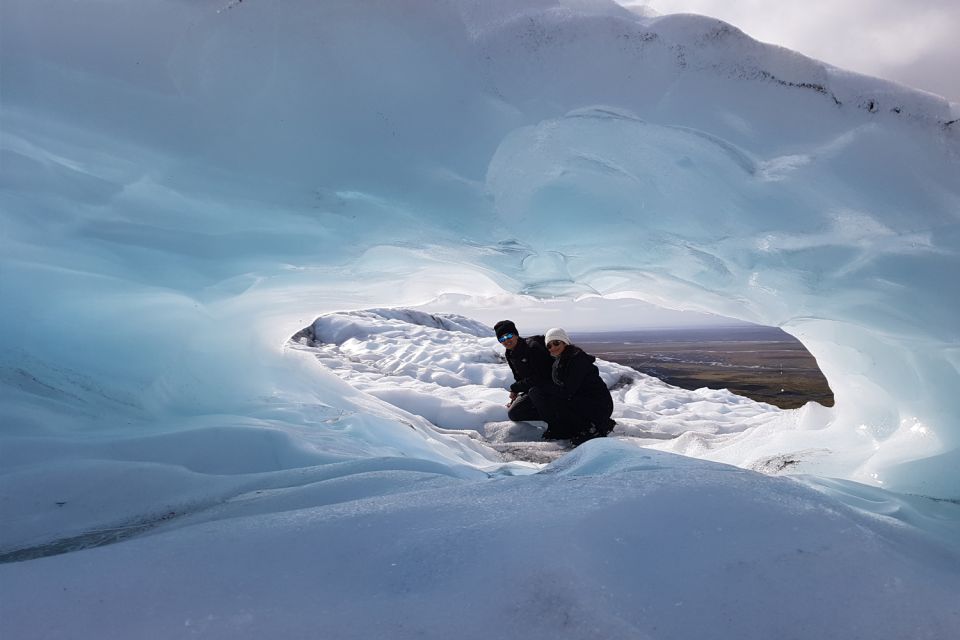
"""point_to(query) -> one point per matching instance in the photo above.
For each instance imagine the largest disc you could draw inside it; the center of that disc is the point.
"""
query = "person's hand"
(513, 396)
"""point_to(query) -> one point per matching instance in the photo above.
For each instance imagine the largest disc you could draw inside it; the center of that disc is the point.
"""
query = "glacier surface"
(173, 214)
(185, 186)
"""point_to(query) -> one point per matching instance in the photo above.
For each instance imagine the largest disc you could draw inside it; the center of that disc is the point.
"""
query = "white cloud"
(588, 314)
(910, 43)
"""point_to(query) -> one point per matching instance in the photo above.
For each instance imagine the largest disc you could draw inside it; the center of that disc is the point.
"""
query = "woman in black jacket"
(584, 405)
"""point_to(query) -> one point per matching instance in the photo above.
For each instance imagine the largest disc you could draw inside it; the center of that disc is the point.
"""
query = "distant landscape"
(762, 363)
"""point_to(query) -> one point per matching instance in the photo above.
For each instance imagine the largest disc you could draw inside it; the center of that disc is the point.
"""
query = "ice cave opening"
(242, 171)
(405, 346)
(695, 378)
(186, 185)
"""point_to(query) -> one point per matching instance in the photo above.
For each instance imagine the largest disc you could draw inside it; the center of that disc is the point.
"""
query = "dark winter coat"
(581, 384)
(531, 364)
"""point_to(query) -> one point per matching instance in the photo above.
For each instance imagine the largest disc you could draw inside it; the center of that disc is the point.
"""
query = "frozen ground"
(233, 533)
(451, 371)
(611, 541)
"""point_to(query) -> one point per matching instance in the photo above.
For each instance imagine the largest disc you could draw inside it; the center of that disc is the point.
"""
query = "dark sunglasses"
(555, 343)
(505, 337)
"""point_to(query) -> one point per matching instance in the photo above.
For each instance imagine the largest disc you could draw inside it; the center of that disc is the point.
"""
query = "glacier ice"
(186, 185)
(633, 546)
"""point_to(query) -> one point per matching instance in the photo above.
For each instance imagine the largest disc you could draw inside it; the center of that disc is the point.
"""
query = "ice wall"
(184, 185)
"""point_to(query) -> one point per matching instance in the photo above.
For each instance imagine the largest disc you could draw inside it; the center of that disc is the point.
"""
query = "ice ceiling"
(184, 185)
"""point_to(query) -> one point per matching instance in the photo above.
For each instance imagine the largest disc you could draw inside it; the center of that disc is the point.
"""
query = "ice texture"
(173, 214)
(186, 185)
(610, 542)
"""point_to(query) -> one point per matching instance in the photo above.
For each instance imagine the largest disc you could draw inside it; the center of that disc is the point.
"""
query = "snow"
(245, 531)
(611, 543)
(186, 186)
(452, 372)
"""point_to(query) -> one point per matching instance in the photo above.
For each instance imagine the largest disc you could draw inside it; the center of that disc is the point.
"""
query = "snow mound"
(611, 542)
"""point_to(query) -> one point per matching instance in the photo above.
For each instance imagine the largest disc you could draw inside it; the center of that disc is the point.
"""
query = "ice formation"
(605, 544)
(185, 185)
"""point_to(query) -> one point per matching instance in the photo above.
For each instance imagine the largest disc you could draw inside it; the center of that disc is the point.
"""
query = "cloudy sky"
(589, 314)
(915, 42)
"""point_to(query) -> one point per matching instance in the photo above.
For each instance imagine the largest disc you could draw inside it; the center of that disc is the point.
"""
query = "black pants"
(564, 420)
(532, 405)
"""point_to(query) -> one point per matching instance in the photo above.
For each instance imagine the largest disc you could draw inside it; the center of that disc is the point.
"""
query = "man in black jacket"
(532, 366)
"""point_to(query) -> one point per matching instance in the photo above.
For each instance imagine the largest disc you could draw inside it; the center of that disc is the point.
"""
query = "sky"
(535, 316)
(912, 43)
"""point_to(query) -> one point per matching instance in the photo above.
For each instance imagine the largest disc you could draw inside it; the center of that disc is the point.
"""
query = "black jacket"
(531, 364)
(575, 373)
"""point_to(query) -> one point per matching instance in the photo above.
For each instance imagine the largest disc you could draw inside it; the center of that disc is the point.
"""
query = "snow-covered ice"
(227, 532)
(185, 186)
(451, 371)
(609, 542)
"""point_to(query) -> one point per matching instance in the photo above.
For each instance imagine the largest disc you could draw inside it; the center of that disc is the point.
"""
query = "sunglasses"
(505, 337)
(555, 343)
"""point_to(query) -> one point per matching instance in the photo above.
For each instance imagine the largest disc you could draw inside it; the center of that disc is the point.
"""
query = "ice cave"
(243, 168)
(184, 186)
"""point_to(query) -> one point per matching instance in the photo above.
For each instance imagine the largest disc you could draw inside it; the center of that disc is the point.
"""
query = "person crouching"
(585, 405)
(532, 392)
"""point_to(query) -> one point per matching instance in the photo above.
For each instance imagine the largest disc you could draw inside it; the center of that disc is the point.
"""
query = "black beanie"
(506, 326)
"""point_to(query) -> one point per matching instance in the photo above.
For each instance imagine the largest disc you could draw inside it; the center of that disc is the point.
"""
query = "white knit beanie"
(556, 334)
